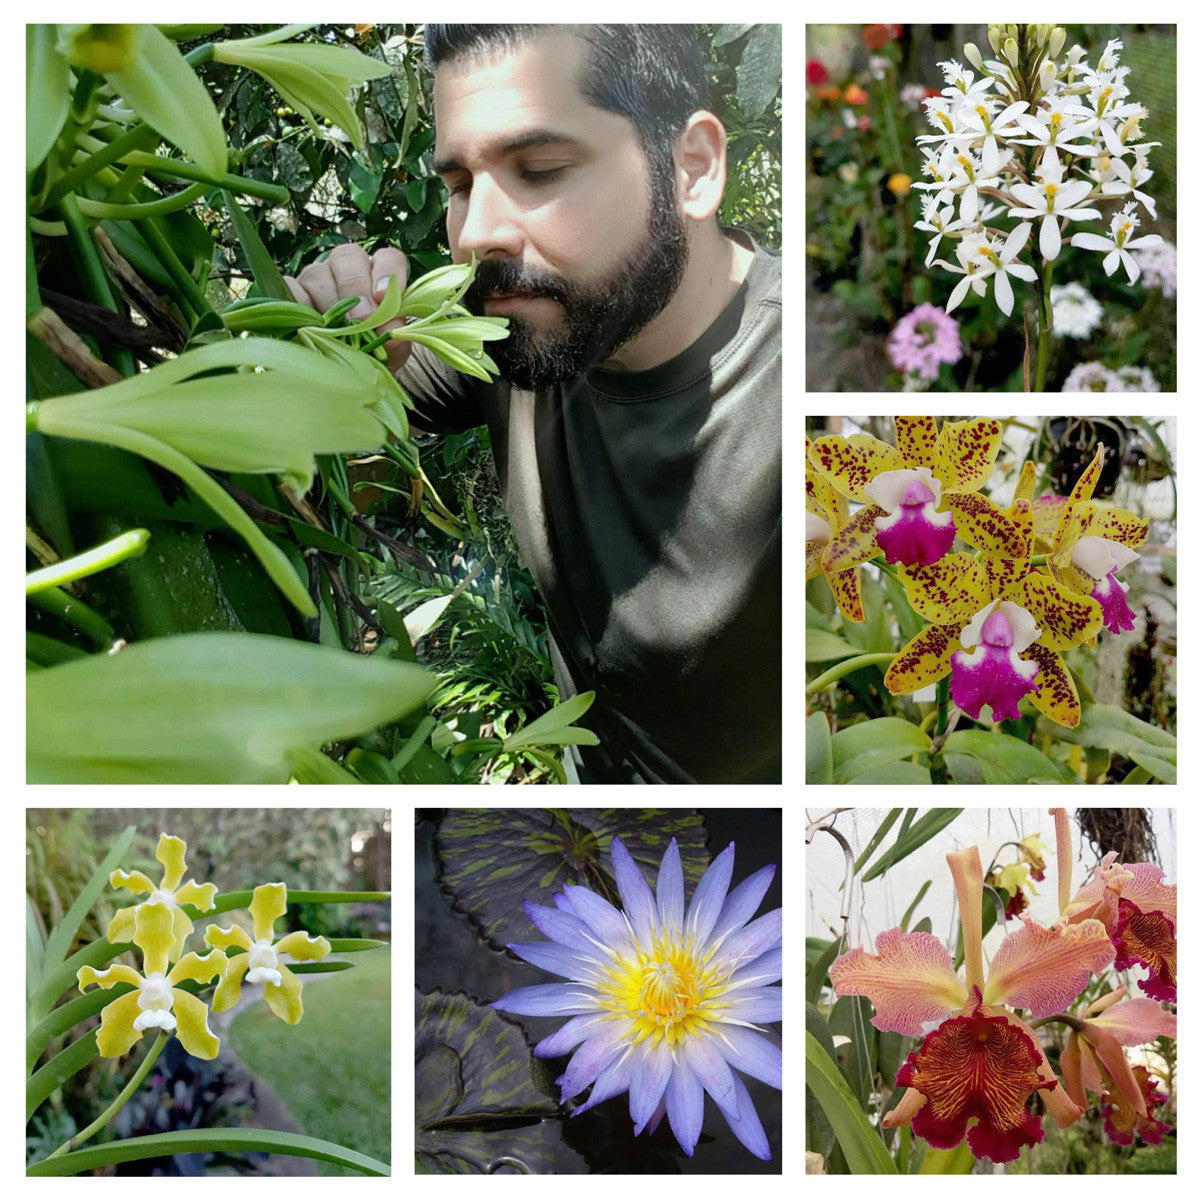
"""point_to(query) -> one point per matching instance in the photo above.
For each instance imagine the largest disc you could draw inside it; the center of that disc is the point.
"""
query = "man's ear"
(700, 160)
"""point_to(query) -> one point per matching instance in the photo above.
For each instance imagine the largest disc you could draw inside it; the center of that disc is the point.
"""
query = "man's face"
(580, 242)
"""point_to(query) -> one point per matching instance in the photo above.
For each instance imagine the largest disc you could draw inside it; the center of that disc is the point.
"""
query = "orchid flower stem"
(1045, 323)
(119, 1103)
(1063, 1019)
(943, 700)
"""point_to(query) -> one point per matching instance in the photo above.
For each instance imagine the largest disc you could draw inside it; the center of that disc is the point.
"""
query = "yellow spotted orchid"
(982, 1061)
(917, 495)
(261, 962)
(825, 514)
(171, 853)
(1090, 543)
(157, 1003)
(998, 628)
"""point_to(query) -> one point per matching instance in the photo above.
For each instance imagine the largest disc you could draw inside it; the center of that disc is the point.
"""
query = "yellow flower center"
(1051, 189)
(667, 992)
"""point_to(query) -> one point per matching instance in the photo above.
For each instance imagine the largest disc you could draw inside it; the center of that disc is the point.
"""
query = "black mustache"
(503, 277)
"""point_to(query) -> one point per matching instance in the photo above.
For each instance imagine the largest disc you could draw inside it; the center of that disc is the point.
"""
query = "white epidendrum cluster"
(1035, 138)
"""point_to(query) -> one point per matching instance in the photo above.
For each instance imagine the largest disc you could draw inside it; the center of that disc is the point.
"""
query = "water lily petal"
(910, 980)
(685, 1107)
(648, 1082)
(742, 903)
(743, 1120)
(548, 1000)
(709, 897)
(596, 1053)
(612, 1081)
(669, 889)
(753, 1054)
(760, 935)
(1044, 970)
(559, 960)
(565, 1039)
(636, 897)
(559, 926)
(606, 922)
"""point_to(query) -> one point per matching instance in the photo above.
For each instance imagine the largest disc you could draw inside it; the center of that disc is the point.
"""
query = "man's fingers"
(351, 271)
(320, 288)
(298, 290)
(384, 264)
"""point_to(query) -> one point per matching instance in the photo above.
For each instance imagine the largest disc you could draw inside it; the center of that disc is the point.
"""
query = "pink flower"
(924, 339)
(993, 672)
(815, 72)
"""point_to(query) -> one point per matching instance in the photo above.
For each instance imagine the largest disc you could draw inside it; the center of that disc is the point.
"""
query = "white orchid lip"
(1024, 629)
(155, 1002)
(887, 489)
(263, 964)
(1099, 557)
(816, 529)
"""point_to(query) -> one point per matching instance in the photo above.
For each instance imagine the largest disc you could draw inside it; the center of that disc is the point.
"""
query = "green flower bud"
(996, 37)
(1010, 51)
(971, 52)
(1046, 74)
(1057, 38)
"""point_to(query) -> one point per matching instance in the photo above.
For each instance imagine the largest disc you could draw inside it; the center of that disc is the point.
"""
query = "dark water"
(452, 957)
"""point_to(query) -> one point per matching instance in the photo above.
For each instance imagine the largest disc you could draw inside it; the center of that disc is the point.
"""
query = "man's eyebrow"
(532, 137)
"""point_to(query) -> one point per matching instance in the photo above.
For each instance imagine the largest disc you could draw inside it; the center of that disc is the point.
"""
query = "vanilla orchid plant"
(1038, 138)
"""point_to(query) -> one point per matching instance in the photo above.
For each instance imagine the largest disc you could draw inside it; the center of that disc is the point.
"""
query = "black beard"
(596, 320)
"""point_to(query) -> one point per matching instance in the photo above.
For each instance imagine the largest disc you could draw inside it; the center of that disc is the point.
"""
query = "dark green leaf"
(760, 72)
(262, 263)
(818, 750)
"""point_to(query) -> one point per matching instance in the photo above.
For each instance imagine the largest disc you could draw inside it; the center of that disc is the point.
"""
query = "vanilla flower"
(664, 1003)
(261, 962)
(157, 1003)
(171, 853)
(1119, 244)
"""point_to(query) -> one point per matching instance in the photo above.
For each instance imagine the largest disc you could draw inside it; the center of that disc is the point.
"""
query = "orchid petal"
(924, 660)
(1049, 238)
(1056, 697)
(948, 591)
(1136, 1022)
(854, 543)
(1066, 620)
(1042, 969)
(909, 981)
(851, 463)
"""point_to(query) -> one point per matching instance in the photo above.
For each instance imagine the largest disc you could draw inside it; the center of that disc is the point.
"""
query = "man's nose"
(491, 227)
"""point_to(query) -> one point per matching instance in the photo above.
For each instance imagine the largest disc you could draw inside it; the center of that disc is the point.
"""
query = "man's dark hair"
(651, 74)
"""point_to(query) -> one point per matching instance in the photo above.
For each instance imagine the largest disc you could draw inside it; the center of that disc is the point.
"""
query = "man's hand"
(347, 271)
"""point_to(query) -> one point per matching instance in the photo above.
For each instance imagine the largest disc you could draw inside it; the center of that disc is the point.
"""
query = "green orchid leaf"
(207, 707)
(262, 262)
(494, 860)
(858, 748)
(555, 727)
(912, 836)
(475, 1098)
(193, 1141)
(59, 942)
(44, 1082)
(161, 87)
(1006, 759)
(818, 750)
(865, 1152)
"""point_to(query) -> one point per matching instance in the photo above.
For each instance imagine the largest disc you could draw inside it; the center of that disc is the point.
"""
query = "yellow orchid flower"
(260, 963)
(917, 495)
(998, 609)
(157, 1003)
(826, 512)
(171, 853)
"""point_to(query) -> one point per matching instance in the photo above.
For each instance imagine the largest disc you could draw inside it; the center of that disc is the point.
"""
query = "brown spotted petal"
(1117, 525)
(949, 591)
(1072, 578)
(1056, 697)
(917, 440)
(1085, 485)
(855, 542)
(812, 559)
(988, 527)
(1047, 510)
(847, 591)
(925, 659)
(851, 463)
(1026, 482)
(967, 450)
(1064, 618)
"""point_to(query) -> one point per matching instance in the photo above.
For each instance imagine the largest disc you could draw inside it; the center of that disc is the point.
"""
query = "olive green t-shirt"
(646, 504)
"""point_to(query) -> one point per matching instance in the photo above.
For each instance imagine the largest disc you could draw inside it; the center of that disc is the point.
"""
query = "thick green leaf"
(1160, 768)
(546, 730)
(818, 749)
(193, 1141)
(206, 708)
(60, 1068)
(1105, 725)
(760, 72)
(492, 860)
(262, 262)
(820, 646)
(1006, 759)
(47, 93)
(893, 773)
(865, 1152)
(818, 973)
(872, 743)
(475, 1096)
(166, 93)
(820, 1135)
(876, 838)
(912, 837)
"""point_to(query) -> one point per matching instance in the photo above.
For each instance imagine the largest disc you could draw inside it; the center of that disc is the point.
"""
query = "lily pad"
(492, 860)
(477, 1110)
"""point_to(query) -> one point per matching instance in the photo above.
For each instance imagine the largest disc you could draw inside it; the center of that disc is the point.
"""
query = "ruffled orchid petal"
(1070, 1066)
(267, 905)
(229, 990)
(1116, 1071)
(222, 939)
(110, 976)
(302, 946)
(192, 966)
(980, 1064)
(1135, 1022)
(909, 981)
(983, 524)
(902, 1115)
(1122, 1121)
(918, 441)
(1100, 556)
(915, 532)
(891, 489)
(1044, 970)
(154, 935)
(117, 1033)
(171, 853)
(967, 453)
(847, 591)
(1147, 939)
(1110, 594)
(200, 895)
(283, 998)
(992, 673)
(924, 660)
(135, 881)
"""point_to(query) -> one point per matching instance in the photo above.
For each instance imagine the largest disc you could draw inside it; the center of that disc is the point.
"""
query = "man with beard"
(636, 420)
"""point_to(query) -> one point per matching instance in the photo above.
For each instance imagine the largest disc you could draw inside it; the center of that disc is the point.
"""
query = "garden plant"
(1070, 1022)
(1022, 160)
(147, 981)
(995, 644)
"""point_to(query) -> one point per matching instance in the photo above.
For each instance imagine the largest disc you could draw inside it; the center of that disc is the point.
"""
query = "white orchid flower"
(1052, 200)
(1119, 244)
(1129, 179)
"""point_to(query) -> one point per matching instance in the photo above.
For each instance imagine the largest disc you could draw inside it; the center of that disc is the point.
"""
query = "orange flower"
(899, 184)
(854, 95)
